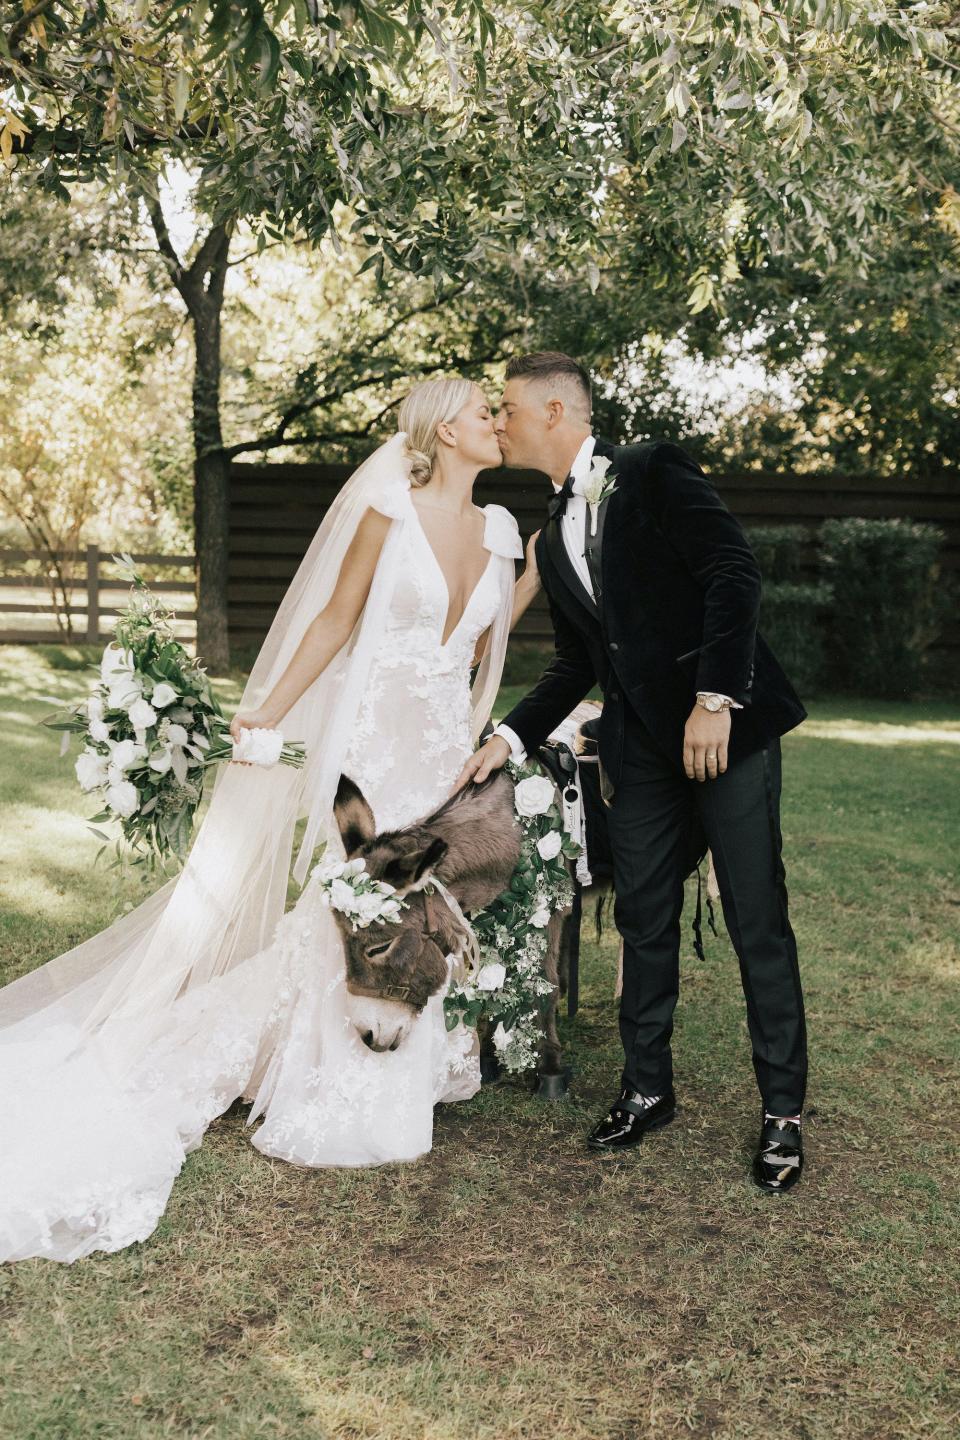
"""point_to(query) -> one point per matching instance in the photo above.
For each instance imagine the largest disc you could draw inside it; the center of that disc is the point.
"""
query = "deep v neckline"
(439, 568)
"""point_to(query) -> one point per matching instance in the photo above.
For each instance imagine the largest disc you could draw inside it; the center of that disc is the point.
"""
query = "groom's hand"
(484, 761)
(705, 741)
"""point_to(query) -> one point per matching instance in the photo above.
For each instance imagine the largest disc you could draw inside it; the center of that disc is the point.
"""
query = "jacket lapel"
(593, 544)
(570, 582)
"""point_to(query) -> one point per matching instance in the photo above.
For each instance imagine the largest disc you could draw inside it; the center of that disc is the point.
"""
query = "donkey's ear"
(354, 816)
(402, 871)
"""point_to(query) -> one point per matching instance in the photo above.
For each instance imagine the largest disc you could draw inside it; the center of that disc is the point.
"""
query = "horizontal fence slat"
(105, 557)
(39, 582)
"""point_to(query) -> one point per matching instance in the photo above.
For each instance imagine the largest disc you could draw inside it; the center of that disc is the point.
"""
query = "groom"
(654, 593)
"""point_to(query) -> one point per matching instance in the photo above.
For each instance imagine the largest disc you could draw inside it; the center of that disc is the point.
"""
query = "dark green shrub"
(792, 623)
(792, 607)
(888, 604)
(780, 551)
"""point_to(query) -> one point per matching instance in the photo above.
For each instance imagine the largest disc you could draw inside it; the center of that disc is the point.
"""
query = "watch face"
(713, 703)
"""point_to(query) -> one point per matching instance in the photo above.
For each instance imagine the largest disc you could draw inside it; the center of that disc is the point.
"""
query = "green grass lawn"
(508, 1286)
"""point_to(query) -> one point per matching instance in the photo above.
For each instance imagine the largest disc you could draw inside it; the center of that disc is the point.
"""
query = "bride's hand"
(254, 720)
(530, 557)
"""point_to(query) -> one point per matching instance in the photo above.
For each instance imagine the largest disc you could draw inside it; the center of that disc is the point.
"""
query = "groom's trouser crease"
(649, 823)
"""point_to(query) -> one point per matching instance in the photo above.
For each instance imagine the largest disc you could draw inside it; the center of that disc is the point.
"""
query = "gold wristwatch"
(714, 703)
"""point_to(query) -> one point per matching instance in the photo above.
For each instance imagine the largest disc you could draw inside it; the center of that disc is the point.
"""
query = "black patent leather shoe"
(779, 1158)
(628, 1120)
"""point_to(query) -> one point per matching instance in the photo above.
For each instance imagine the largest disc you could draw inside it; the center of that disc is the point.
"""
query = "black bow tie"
(557, 505)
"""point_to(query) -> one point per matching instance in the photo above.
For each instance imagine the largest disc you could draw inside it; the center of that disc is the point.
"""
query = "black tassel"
(697, 925)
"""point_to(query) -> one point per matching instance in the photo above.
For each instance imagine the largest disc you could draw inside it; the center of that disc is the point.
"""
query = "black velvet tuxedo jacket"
(679, 594)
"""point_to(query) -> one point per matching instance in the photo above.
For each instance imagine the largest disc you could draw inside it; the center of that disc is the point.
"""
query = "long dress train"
(93, 1135)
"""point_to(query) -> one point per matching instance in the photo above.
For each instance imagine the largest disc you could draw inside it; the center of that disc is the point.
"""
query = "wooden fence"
(94, 595)
(276, 508)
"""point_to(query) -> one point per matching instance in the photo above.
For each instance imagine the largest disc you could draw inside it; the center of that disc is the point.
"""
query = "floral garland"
(509, 989)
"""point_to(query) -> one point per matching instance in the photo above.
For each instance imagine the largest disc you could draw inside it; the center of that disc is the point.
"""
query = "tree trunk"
(211, 468)
(211, 489)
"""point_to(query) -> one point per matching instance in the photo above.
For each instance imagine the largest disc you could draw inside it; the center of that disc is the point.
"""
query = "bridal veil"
(225, 904)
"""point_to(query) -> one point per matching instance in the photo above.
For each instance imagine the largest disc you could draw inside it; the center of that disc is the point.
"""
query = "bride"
(116, 1056)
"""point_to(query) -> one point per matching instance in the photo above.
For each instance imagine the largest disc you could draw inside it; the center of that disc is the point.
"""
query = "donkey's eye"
(374, 951)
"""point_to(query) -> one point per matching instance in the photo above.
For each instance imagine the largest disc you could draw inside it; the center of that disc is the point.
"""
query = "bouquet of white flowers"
(151, 728)
(509, 989)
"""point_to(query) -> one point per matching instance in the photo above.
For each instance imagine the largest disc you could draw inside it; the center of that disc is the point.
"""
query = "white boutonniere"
(595, 487)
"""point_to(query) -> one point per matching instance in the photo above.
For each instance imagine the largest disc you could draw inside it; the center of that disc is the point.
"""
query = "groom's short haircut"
(566, 375)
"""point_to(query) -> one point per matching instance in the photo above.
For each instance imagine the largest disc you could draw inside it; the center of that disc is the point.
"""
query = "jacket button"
(614, 694)
(614, 645)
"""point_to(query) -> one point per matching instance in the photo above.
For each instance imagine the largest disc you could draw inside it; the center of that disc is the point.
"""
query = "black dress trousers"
(650, 818)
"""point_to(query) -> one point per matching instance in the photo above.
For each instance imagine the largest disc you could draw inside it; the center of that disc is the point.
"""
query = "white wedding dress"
(92, 1136)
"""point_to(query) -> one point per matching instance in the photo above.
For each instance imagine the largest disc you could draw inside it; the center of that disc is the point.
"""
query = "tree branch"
(20, 27)
(303, 407)
(278, 437)
(174, 264)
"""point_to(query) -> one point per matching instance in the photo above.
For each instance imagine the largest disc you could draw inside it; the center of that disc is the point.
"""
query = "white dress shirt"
(573, 523)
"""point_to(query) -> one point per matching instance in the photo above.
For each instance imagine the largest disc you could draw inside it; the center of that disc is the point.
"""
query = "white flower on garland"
(491, 977)
(550, 845)
(541, 917)
(595, 487)
(534, 796)
(502, 1038)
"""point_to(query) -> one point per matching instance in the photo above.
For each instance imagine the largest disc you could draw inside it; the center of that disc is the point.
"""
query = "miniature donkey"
(471, 844)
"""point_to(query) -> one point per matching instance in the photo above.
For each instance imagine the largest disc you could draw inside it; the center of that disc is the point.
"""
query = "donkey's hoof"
(553, 1087)
(490, 1070)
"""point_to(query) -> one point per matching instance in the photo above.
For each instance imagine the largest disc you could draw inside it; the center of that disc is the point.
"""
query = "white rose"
(343, 897)
(99, 731)
(177, 735)
(91, 770)
(160, 761)
(126, 753)
(115, 662)
(122, 798)
(258, 747)
(163, 695)
(534, 796)
(491, 977)
(357, 867)
(369, 906)
(95, 707)
(501, 1038)
(550, 845)
(124, 690)
(540, 917)
(142, 714)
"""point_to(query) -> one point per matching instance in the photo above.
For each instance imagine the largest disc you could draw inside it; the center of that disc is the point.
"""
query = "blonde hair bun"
(428, 405)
